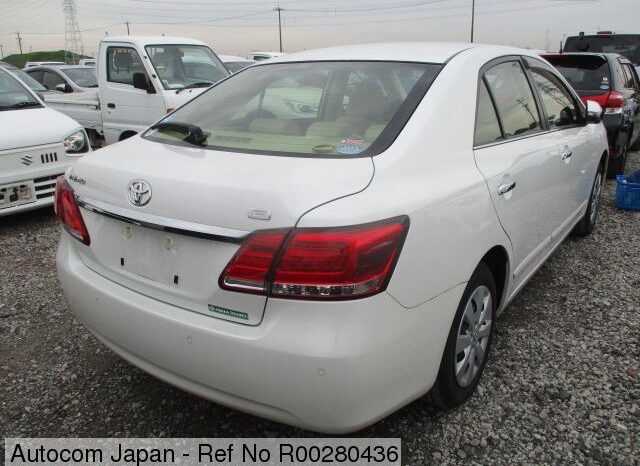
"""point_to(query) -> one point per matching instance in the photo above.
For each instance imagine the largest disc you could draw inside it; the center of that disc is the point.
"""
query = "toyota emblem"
(139, 193)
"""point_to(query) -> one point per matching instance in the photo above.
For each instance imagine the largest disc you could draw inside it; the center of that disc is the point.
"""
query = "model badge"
(77, 179)
(139, 193)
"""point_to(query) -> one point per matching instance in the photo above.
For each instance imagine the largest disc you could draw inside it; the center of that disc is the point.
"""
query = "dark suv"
(611, 80)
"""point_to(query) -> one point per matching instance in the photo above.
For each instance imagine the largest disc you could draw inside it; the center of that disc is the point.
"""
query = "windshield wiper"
(194, 134)
(194, 85)
(19, 105)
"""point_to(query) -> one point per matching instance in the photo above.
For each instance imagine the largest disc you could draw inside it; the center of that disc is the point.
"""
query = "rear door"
(520, 160)
(565, 118)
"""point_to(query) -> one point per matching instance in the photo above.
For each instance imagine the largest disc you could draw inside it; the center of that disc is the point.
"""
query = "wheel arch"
(497, 259)
(126, 135)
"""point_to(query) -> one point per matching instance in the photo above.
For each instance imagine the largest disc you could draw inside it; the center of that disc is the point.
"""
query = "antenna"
(73, 45)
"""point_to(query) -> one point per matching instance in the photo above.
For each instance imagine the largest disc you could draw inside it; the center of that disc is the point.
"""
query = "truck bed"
(84, 107)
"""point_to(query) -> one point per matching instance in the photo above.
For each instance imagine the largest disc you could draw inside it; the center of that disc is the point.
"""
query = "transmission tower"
(72, 38)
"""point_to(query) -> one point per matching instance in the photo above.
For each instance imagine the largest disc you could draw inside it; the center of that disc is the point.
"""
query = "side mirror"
(64, 87)
(140, 82)
(594, 112)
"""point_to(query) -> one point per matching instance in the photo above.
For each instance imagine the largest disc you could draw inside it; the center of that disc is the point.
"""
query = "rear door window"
(321, 108)
(514, 99)
(487, 125)
(629, 75)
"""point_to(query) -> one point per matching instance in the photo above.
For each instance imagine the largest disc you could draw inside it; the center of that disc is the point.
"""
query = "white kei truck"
(140, 79)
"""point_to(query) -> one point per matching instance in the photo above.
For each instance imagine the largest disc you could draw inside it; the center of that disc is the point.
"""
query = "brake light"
(611, 102)
(615, 100)
(68, 211)
(318, 263)
(604, 33)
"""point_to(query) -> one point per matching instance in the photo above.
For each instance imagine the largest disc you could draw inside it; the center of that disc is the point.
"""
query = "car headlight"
(76, 143)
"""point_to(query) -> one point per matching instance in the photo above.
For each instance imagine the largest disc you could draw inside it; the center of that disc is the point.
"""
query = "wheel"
(586, 225)
(616, 166)
(469, 341)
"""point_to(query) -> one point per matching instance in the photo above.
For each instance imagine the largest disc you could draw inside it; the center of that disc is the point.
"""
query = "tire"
(616, 166)
(453, 387)
(586, 225)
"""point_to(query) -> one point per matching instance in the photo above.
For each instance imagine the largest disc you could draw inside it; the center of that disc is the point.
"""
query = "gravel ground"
(562, 385)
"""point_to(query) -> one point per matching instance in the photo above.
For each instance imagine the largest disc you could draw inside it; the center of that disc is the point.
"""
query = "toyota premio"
(324, 237)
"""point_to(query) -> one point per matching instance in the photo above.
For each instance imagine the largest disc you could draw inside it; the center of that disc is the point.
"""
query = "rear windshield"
(584, 73)
(627, 45)
(336, 109)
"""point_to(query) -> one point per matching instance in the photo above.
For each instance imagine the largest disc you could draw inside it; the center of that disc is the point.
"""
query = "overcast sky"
(235, 27)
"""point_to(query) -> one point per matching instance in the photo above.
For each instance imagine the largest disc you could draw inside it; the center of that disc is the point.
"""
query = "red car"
(611, 80)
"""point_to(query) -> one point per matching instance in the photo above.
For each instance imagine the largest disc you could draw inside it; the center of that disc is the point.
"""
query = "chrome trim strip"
(157, 222)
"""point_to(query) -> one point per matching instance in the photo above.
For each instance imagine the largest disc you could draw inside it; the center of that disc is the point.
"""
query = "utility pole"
(279, 10)
(19, 39)
(473, 17)
(1, 52)
(128, 33)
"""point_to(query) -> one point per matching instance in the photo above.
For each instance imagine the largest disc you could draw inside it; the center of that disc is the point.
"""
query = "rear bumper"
(617, 133)
(330, 367)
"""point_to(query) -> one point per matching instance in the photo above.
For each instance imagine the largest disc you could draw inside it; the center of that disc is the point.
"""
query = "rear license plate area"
(151, 254)
(15, 194)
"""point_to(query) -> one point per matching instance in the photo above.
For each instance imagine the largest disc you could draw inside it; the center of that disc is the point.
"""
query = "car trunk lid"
(202, 204)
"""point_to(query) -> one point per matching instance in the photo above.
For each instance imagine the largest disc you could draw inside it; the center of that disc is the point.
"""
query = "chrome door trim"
(158, 222)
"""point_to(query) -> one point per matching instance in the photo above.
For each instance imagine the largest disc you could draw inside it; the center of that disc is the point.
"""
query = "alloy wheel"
(473, 336)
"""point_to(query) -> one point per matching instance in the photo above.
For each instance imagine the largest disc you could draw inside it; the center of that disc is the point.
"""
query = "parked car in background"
(140, 80)
(37, 145)
(87, 62)
(261, 55)
(34, 85)
(29, 64)
(611, 80)
(234, 63)
(66, 78)
(324, 268)
(626, 44)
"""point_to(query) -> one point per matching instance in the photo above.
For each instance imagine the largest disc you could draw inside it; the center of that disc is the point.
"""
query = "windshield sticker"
(352, 145)
(324, 148)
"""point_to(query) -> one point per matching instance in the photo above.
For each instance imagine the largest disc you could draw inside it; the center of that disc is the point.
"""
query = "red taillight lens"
(326, 263)
(68, 211)
(615, 100)
(250, 266)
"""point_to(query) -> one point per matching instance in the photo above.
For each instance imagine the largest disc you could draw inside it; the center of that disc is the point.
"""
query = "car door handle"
(505, 188)
(111, 105)
(566, 155)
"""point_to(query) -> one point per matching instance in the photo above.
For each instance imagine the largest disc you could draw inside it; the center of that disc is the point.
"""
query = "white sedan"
(325, 266)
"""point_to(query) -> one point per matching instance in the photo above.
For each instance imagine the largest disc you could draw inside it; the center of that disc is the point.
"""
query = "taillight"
(250, 266)
(615, 102)
(68, 211)
(318, 263)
